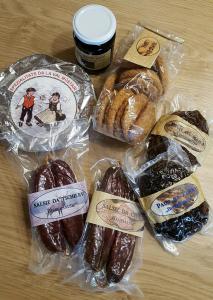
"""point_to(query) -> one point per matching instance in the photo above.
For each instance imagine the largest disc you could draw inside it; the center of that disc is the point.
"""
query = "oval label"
(148, 46)
(186, 135)
(120, 214)
(175, 200)
(58, 203)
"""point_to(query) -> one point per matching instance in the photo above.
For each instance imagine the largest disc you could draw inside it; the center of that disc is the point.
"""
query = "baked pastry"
(126, 108)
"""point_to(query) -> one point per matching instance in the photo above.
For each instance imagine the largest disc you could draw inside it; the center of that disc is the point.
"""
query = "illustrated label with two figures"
(43, 100)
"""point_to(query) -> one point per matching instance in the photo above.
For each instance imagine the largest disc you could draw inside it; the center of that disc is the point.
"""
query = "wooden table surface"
(44, 26)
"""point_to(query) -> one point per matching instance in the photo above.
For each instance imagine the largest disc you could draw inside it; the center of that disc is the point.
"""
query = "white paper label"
(58, 203)
(43, 101)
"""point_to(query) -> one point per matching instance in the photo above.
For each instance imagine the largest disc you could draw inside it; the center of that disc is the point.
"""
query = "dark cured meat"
(73, 227)
(160, 176)
(106, 246)
(53, 235)
(120, 256)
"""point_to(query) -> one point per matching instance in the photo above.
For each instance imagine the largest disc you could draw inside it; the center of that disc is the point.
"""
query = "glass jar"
(94, 30)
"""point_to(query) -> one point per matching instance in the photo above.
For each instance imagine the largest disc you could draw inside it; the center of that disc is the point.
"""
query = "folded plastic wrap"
(45, 103)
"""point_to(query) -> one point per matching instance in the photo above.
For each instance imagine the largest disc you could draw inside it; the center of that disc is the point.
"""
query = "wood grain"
(44, 26)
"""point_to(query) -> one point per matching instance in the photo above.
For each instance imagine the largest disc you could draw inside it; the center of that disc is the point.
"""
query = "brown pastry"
(162, 71)
(119, 99)
(118, 132)
(144, 81)
(143, 124)
(135, 105)
(106, 96)
(129, 74)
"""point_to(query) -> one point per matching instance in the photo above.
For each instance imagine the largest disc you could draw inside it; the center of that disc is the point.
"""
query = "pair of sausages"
(54, 235)
(109, 248)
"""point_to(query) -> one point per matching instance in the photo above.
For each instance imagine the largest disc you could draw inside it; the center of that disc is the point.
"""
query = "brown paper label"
(184, 133)
(116, 213)
(145, 48)
(174, 201)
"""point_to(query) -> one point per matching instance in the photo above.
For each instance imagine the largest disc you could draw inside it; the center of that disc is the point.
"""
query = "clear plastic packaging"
(182, 121)
(162, 172)
(45, 113)
(42, 96)
(110, 255)
(126, 108)
(58, 202)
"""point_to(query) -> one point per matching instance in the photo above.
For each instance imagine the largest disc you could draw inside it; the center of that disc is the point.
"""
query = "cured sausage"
(109, 247)
(52, 233)
(73, 227)
(56, 173)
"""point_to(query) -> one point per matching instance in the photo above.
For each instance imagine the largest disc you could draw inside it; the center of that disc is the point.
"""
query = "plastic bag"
(170, 194)
(58, 202)
(46, 105)
(126, 108)
(111, 249)
(43, 97)
(184, 122)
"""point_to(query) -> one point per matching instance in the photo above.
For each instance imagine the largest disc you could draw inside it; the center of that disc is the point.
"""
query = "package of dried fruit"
(183, 123)
(145, 65)
(111, 250)
(162, 173)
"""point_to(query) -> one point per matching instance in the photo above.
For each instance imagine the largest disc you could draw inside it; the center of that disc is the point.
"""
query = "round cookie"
(130, 74)
(119, 99)
(146, 81)
(106, 95)
(144, 123)
(118, 132)
(162, 71)
(134, 107)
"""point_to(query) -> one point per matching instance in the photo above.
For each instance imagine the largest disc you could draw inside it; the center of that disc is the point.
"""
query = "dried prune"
(160, 176)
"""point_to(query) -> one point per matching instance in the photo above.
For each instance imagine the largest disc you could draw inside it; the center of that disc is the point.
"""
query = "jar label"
(43, 100)
(184, 133)
(174, 201)
(58, 203)
(93, 62)
(116, 213)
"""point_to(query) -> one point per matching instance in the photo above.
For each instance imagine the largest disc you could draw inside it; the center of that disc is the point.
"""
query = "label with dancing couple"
(43, 100)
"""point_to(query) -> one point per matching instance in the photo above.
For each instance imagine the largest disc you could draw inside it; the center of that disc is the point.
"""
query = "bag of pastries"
(143, 68)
